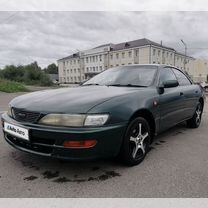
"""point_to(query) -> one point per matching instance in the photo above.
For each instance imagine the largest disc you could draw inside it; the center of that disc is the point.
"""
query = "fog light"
(80, 144)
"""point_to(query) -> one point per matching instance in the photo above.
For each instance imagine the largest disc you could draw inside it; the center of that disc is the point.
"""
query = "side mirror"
(170, 83)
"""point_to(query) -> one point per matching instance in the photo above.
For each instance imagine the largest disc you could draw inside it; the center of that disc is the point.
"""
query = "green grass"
(11, 86)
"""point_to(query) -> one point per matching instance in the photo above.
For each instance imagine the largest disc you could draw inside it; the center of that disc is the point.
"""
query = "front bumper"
(48, 140)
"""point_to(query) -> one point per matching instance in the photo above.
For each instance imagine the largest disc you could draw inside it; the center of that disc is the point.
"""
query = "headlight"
(96, 120)
(74, 120)
(9, 111)
(63, 120)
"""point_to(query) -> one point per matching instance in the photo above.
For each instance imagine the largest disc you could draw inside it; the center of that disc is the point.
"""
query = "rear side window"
(182, 79)
(166, 74)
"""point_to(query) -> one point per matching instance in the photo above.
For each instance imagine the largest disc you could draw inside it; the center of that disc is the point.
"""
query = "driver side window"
(166, 74)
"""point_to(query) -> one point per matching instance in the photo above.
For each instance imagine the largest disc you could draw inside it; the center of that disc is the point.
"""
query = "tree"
(30, 74)
(51, 69)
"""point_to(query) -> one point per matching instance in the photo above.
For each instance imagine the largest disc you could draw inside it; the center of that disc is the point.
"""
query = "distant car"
(117, 112)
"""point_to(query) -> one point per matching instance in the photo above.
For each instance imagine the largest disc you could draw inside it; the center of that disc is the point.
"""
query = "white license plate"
(16, 131)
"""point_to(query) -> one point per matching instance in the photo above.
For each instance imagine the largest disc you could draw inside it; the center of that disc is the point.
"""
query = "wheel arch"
(145, 113)
(201, 100)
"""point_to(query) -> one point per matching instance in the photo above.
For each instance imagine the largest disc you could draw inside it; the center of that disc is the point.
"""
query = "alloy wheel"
(138, 141)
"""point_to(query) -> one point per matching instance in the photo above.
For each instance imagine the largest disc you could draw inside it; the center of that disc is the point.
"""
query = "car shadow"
(63, 171)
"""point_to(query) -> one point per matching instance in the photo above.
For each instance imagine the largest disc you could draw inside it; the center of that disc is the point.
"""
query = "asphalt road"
(176, 166)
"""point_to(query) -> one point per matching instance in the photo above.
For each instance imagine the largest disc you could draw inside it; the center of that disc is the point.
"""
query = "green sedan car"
(116, 113)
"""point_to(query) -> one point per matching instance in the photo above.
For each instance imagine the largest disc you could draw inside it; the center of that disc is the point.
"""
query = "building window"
(117, 64)
(96, 58)
(75, 70)
(117, 55)
(94, 69)
(87, 69)
(100, 57)
(167, 54)
(74, 61)
(137, 52)
(123, 55)
(111, 56)
(86, 59)
(159, 53)
(129, 63)
(101, 68)
(93, 58)
(71, 70)
(154, 51)
(130, 53)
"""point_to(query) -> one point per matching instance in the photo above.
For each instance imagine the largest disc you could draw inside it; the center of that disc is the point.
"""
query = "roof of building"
(104, 45)
(137, 43)
(75, 55)
(126, 45)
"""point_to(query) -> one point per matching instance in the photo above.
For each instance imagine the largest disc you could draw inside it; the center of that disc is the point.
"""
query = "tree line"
(31, 74)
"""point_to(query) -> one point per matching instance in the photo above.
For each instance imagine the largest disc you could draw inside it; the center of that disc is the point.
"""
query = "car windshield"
(138, 76)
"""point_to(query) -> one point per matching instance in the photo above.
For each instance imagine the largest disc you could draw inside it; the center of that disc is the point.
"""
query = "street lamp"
(185, 54)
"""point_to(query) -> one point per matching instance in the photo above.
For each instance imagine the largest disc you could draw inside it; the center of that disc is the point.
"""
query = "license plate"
(16, 131)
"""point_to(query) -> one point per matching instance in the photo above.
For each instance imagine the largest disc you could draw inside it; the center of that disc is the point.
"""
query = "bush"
(30, 74)
(11, 86)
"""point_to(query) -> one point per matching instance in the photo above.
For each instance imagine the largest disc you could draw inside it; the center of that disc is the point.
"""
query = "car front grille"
(25, 116)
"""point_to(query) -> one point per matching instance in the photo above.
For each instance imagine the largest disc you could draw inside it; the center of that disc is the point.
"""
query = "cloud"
(48, 36)
(102, 5)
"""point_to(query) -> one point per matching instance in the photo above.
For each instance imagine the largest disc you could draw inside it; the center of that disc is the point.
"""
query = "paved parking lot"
(176, 166)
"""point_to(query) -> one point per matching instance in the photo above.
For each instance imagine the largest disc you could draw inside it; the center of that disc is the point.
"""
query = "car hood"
(69, 100)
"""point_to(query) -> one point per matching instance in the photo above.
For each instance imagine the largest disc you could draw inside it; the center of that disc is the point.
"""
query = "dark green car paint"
(167, 108)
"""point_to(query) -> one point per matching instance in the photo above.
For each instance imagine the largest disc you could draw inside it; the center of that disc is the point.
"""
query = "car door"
(171, 101)
(191, 93)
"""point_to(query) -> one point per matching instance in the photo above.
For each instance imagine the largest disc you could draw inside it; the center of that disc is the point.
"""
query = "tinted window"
(132, 75)
(182, 79)
(166, 75)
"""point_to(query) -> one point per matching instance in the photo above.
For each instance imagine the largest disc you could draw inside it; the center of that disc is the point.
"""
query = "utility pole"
(185, 45)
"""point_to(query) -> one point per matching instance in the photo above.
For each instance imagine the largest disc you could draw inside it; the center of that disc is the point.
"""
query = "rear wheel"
(195, 121)
(136, 142)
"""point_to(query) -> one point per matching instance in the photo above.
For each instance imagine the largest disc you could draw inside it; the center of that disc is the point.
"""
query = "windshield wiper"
(90, 84)
(126, 85)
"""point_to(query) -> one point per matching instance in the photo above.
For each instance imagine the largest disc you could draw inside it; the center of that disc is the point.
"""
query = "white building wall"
(93, 61)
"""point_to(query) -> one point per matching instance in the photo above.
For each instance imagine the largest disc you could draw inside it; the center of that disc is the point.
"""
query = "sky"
(48, 36)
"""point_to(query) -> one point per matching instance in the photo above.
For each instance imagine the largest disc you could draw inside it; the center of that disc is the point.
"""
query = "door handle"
(181, 93)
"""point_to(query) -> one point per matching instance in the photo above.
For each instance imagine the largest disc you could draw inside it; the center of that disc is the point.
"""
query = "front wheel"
(136, 142)
(195, 121)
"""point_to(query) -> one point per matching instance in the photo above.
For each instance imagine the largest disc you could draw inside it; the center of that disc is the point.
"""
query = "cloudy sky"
(48, 36)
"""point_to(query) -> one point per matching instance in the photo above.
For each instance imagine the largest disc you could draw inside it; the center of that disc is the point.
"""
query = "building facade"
(84, 65)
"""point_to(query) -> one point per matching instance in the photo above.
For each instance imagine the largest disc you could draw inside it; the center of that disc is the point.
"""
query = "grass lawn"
(11, 86)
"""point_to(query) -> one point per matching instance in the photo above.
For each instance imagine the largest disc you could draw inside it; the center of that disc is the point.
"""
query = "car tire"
(195, 121)
(136, 142)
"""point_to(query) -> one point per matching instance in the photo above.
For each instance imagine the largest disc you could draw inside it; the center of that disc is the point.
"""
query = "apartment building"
(84, 65)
